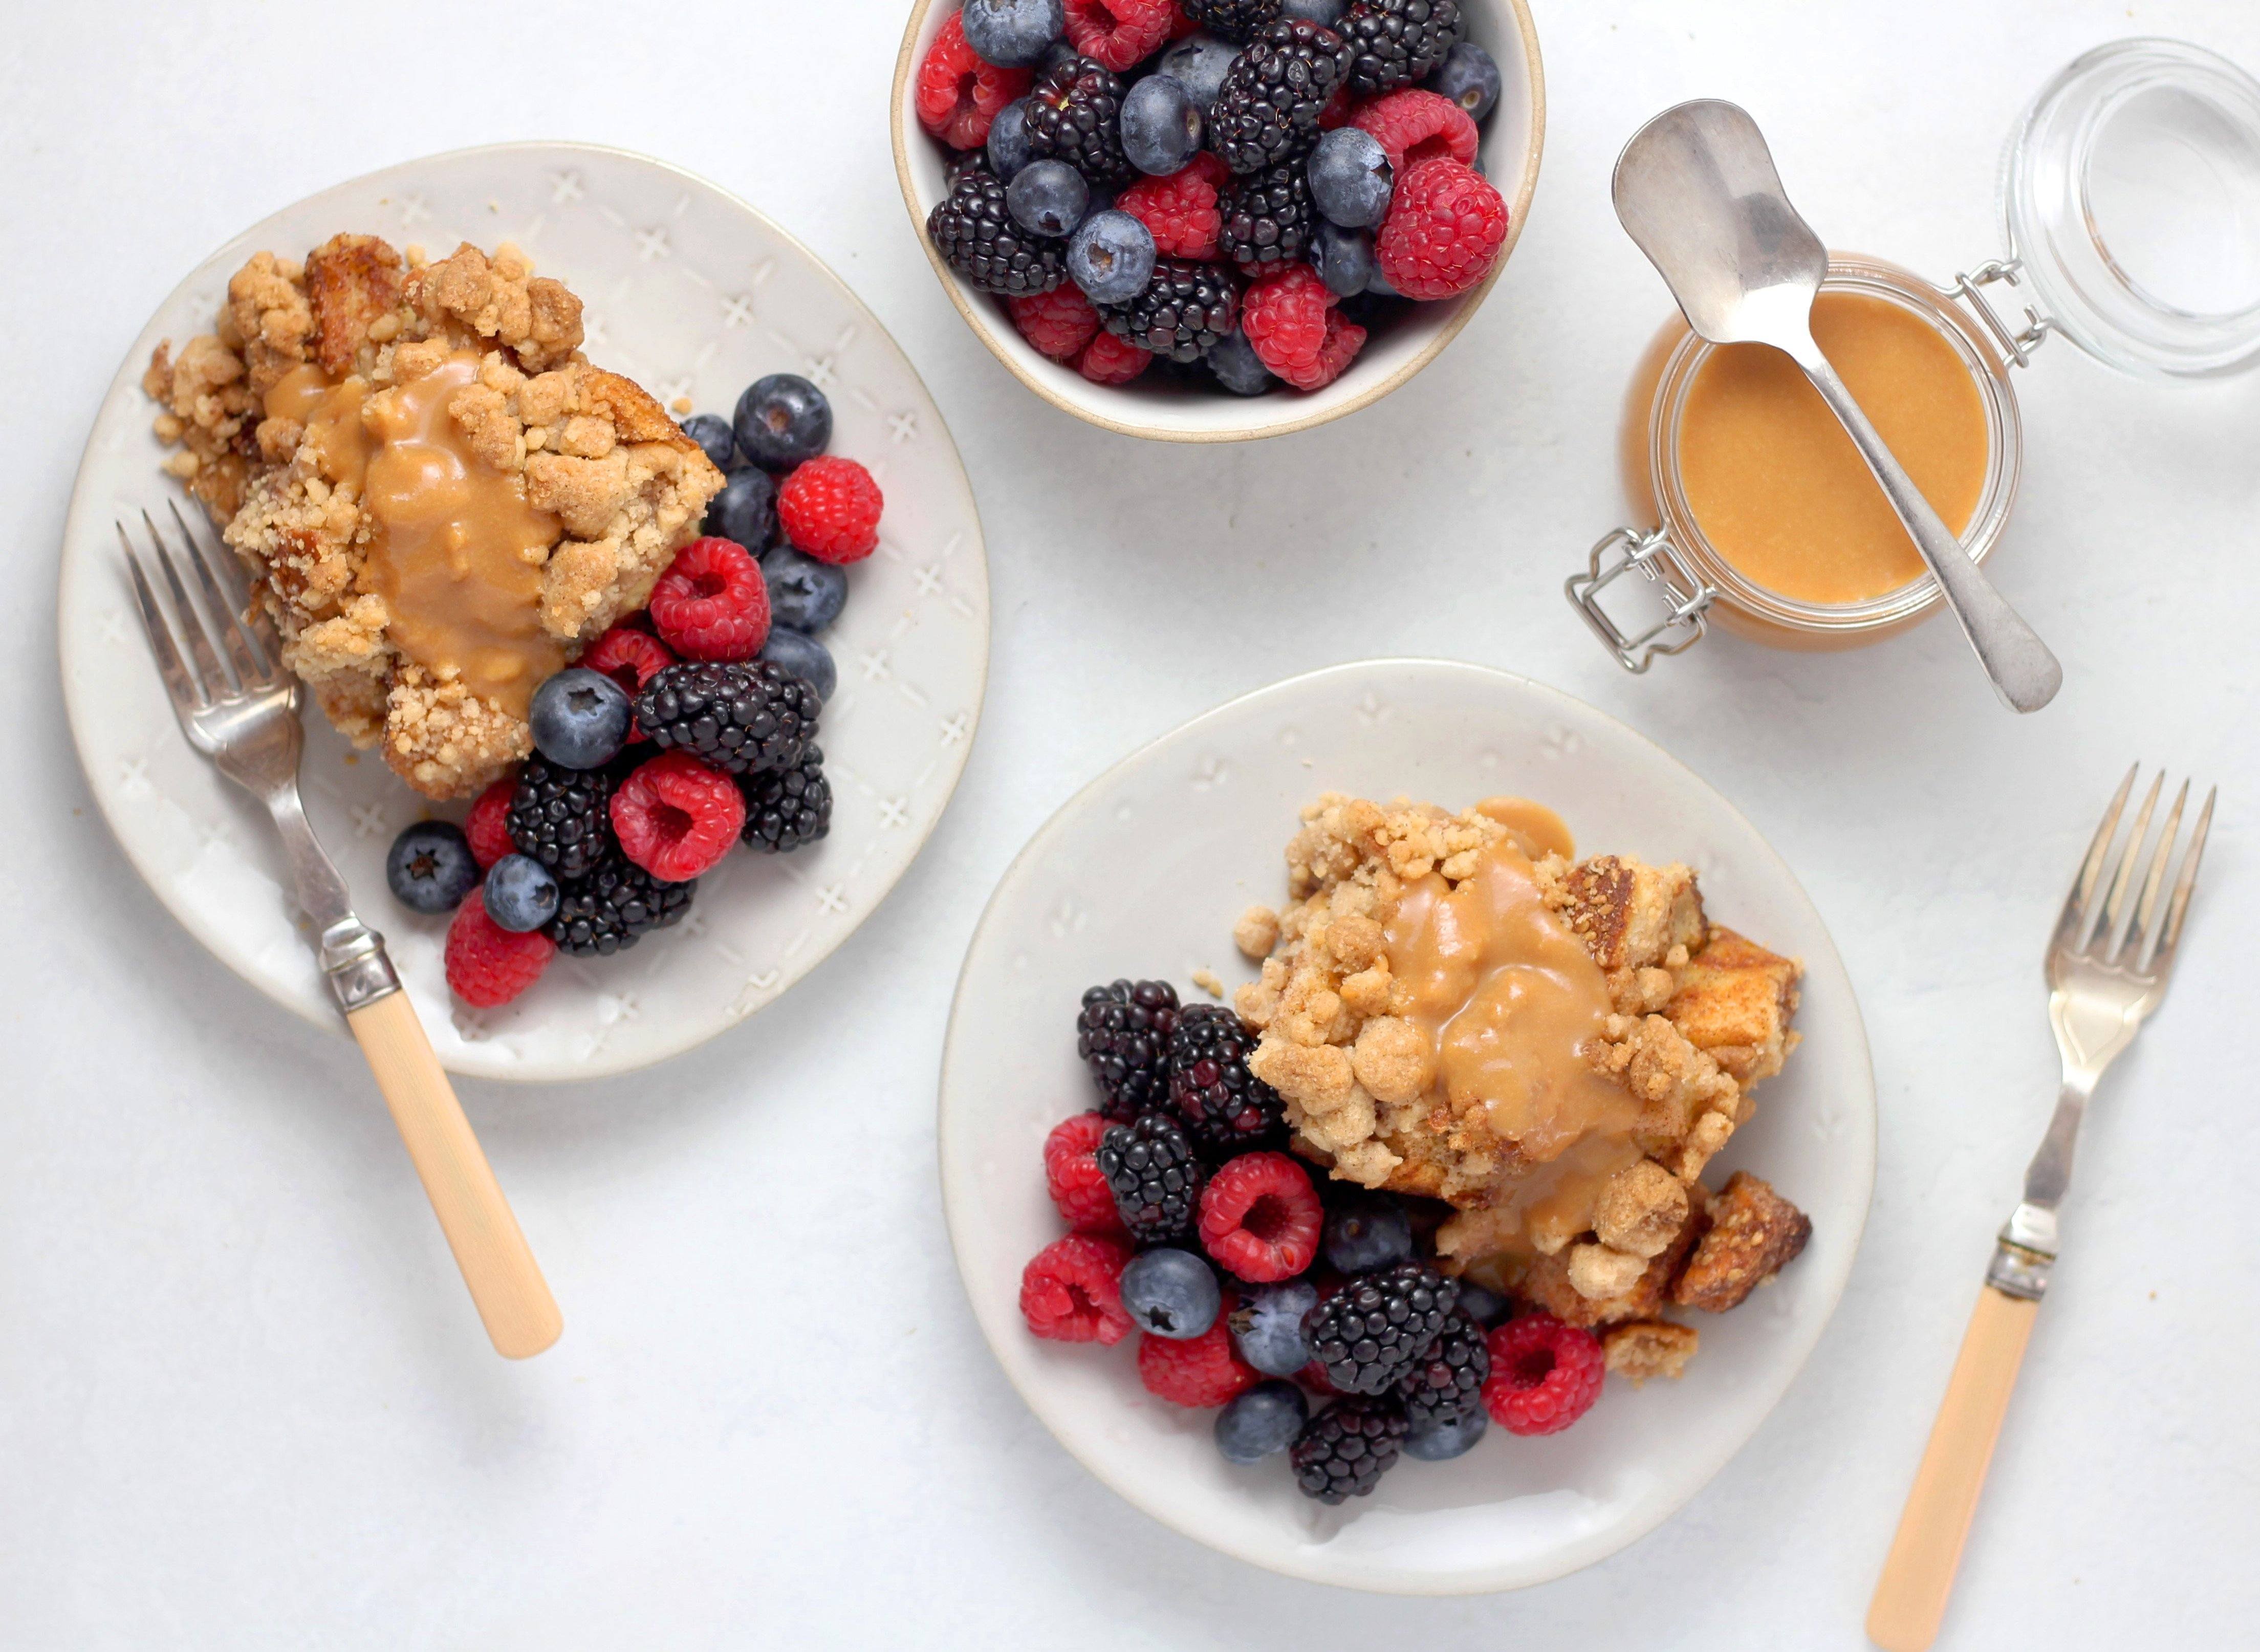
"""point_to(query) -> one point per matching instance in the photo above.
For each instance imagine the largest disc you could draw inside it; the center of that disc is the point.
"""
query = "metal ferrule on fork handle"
(2024, 1253)
(360, 970)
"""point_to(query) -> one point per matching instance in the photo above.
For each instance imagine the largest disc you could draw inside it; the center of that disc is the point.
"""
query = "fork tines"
(253, 651)
(2103, 918)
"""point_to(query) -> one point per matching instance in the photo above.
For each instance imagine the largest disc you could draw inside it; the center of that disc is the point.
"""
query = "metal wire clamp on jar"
(2101, 231)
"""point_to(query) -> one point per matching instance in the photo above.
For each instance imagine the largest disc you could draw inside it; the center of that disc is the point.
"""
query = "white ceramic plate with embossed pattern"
(1142, 873)
(691, 292)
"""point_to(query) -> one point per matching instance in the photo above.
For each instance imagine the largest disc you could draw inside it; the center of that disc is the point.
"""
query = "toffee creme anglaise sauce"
(1510, 1002)
(457, 552)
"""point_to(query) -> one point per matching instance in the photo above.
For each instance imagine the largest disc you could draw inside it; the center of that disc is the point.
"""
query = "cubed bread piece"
(1648, 1348)
(1733, 1001)
(1629, 914)
(1754, 1234)
(1547, 1282)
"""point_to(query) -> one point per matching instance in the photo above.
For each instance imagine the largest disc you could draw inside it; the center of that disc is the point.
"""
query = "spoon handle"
(2025, 674)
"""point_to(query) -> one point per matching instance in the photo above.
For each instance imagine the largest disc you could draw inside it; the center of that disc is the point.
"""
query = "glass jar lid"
(2131, 197)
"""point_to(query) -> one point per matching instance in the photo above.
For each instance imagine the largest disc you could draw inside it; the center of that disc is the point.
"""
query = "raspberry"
(1445, 226)
(1260, 1218)
(1077, 1185)
(1337, 111)
(711, 603)
(1181, 23)
(487, 964)
(1181, 208)
(631, 658)
(1544, 1375)
(1107, 360)
(1291, 326)
(489, 825)
(1119, 33)
(830, 508)
(1414, 125)
(959, 94)
(676, 817)
(1202, 1370)
(1072, 1291)
(1058, 323)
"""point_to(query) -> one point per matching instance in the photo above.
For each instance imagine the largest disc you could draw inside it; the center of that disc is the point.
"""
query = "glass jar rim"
(1699, 560)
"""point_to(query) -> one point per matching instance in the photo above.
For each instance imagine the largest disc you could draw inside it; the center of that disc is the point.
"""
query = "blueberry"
(804, 656)
(1048, 198)
(1008, 139)
(1111, 257)
(1328, 14)
(521, 893)
(711, 432)
(1377, 285)
(782, 421)
(1264, 1419)
(1369, 1231)
(1171, 1293)
(1234, 363)
(430, 866)
(1351, 178)
(1469, 77)
(1447, 1440)
(746, 509)
(1344, 259)
(1013, 33)
(804, 595)
(1267, 1326)
(1197, 63)
(580, 719)
(1482, 1305)
(1161, 125)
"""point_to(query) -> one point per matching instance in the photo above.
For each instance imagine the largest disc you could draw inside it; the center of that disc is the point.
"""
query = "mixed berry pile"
(687, 729)
(1237, 189)
(1312, 1317)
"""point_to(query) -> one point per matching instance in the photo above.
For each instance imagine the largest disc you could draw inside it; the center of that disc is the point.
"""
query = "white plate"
(1142, 873)
(690, 292)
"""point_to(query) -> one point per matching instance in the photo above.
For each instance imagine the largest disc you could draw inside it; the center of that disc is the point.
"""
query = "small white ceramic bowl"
(1142, 873)
(1512, 136)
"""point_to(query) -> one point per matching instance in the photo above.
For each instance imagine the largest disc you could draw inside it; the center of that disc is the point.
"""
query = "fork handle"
(513, 1298)
(1911, 1596)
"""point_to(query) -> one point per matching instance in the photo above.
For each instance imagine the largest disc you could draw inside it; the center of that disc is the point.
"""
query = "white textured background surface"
(242, 1400)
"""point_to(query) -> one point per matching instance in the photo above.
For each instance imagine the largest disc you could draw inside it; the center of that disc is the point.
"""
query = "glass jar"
(2131, 207)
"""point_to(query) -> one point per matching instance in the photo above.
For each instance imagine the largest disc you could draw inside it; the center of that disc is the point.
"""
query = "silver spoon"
(1697, 188)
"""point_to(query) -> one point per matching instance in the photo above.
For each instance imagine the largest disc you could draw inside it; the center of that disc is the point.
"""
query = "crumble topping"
(586, 448)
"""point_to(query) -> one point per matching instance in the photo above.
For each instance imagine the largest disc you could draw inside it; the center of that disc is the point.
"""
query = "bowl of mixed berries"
(1212, 220)
(1308, 1317)
(686, 731)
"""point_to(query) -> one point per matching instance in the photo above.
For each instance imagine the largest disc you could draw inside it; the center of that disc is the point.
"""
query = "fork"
(244, 716)
(2108, 965)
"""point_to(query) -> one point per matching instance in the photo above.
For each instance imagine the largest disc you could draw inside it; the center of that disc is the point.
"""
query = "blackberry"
(1186, 308)
(745, 718)
(1156, 1180)
(1075, 115)
(1394, 43)
(1123, 1034)
(1236, 20)
(1268, 220)
(1344, 1450)
(1226, 1108)
(1375, 1329)
(787, 808)
(1267, 110)
(1448, 1382)
(562, 817)
(615, 907)
(974, 232)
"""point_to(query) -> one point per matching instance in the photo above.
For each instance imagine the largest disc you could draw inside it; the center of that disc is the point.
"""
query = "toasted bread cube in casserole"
(1754, 1232)
(1548, 1284)
(1733, 1002)
(1630, 915)
(1648, 1348)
